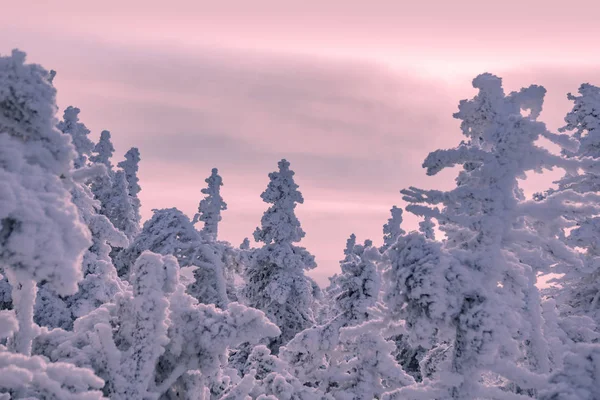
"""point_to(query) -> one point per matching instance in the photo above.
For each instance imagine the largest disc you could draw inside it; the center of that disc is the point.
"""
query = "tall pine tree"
(275, 280)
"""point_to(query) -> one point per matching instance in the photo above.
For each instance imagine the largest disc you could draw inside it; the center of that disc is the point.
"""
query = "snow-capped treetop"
(426, 228)
(131, 166)
(358, 285)
(79, 135)
(245, 245)
(209, 209)
(350, 243)
(103, 150)
(119, 208)
(584, 120)
(169, 231)
(392, 230)
(279, 224)
(27, 100)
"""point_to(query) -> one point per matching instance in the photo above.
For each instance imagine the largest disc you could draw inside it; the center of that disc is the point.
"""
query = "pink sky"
(354, 94)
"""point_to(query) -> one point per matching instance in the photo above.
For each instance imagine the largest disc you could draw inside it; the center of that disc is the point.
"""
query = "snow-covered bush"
(170, 232)
(150, 341)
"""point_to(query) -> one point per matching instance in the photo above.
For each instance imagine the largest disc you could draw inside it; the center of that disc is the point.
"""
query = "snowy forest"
(96, 303)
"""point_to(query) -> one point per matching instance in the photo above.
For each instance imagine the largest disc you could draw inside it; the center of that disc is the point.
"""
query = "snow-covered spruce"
(579, 292)
(275, 280)
(493, 310)
(42, 237)
(392, 230)
(209, 209)
(119, 207)
(348, 357)
(113, 189)
(130, 167)
(79, 135)
(426, 228)
(100, 282)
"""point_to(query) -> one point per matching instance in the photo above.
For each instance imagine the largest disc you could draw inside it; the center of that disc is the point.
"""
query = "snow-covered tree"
(102, 185)
(103, 151)
(209, 209)
(245, 245)
(42, 237)
(426, 228)
(119, 208)
(155, 341)
(578, 379)
(422, 289)
(494, 307)
(271, 379)
(329, 357)
(25, 377)
(358, 286)
(350, 246)
(275, 280)
(79, 135)
(130, 167)
(169, 231)
(100, 282)
(392, 230)
(579, 292)
(113, 188)
(367, 370)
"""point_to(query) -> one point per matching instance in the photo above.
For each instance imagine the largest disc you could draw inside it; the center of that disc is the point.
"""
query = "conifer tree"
(79, 135)
(102, 185)
(275, 280)
(130, 167)
(41, 234)
(579, 288)
(392, 230)
(494, 307)
(100, 282)
(103, 151)
(426, 228)
(348, 357)
(42, 237)
(209, 209)
(119, 207)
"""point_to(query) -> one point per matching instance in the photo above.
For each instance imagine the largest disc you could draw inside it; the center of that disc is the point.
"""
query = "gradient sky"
(353, 93)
